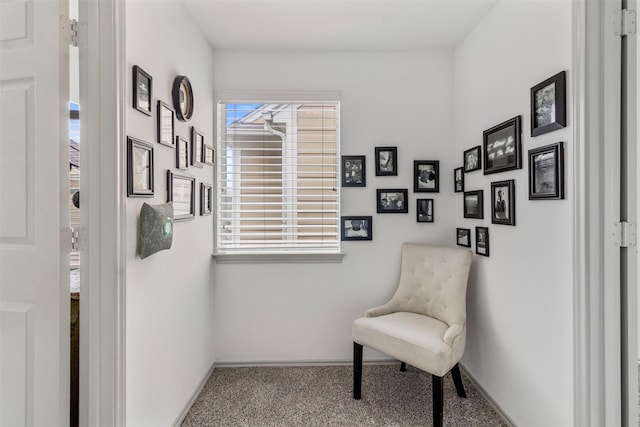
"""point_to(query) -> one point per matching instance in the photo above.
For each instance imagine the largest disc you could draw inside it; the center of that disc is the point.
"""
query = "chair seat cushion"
(410, 337)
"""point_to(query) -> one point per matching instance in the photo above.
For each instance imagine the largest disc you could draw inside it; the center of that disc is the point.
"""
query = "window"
(278, 188)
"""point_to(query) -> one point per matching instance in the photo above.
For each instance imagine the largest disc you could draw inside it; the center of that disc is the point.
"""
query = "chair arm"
(452, 333)
(380, 310)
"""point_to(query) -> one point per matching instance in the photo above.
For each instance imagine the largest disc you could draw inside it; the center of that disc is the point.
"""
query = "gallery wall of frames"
(499, 153)
(185, 197)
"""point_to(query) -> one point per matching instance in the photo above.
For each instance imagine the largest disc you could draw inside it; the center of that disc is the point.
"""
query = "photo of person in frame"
(386, 161)
(426, 177)
(356, 228)
(471, 161)
(458, 179)
(545, 105)
(501, 207)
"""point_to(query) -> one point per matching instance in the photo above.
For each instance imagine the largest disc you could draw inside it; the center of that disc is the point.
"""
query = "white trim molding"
(102, 312)
(596, 261)
(194, 396)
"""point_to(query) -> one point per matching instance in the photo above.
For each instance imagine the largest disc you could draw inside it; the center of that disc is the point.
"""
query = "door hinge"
(625, 22)
(73, 32)
(74, 239)
(624, 234)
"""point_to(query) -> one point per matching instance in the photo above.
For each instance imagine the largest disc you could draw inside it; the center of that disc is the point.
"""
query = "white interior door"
(34, 275)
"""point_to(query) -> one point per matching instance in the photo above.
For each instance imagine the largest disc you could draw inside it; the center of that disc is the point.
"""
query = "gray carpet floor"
(321, 396)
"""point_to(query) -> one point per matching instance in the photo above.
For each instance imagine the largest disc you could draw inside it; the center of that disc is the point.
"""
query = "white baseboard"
(194, 396)
(292, 363)
(496, 407)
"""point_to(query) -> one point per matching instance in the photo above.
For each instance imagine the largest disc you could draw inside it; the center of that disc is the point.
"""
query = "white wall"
(303, 312)
(520, 304)
(169, 299)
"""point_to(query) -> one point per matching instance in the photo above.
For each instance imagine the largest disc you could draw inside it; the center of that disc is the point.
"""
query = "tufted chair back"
(433, 282)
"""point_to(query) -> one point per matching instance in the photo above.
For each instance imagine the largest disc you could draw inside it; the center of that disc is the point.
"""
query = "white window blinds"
(278, 188)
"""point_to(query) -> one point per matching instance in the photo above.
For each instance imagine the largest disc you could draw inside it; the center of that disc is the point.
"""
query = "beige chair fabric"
(424, 323)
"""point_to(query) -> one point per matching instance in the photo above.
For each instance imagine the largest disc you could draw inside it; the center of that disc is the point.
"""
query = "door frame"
(596, 258)
(629, 212)
(102, 311)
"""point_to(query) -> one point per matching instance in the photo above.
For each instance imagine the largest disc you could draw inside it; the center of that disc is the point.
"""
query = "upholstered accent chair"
(424, 323)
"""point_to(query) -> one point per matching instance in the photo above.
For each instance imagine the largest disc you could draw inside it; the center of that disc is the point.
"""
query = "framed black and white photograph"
(392, 200)
(181, 190)
(354, 172)
(503, 202)
(208, 155)
(139, 168)
(472, 160)
(142, 86)
(548, 105)
(463, 237)
(482, 241)
(426, 176)
(424, 210)
(458, 180)
(502, 143)
(197, 147)
(356, 228)
(473, 204)
(546, 172)
(206, 197)
(386, 161)
(166, 124)
(182, 153)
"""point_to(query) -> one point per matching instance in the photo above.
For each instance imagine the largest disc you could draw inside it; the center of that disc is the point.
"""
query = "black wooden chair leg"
(357, 370)
(438, 402)
(457, 380)
(403, 367)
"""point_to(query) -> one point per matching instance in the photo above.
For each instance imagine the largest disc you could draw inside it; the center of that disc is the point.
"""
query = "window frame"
(290, 255)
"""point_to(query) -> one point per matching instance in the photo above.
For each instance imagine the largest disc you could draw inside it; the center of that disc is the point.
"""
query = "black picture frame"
(482, 241)
(503, 202)
(424, 210)
(182, 153)
(473, 204)
(142, 90)
(166, 124)
(197, 147)
(502, 146)
(472, 159)
(140, 178)
(546, 172)
(181, 190)
(208, 155)
(206, 199)
(356, 228)
(182, 97)
(548, 105)
(386, 161)
(426, 176)
(458, 180)
(354, 171)
(463, 237)
(394, 200)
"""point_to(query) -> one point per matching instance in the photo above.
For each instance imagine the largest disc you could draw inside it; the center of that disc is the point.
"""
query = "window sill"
(279, 258)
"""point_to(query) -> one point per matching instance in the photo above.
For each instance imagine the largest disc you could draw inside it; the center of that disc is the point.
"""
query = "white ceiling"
(336, 24)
